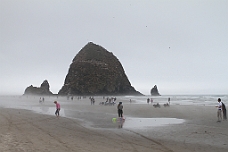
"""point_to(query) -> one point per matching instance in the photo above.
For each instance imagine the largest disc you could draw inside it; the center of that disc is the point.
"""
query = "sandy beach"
(83, 127)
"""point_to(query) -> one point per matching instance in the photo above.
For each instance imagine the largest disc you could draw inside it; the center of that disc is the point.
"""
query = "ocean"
(25, 102)
(205, 100)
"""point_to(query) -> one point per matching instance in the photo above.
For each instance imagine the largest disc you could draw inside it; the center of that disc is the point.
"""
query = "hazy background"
(179, 45)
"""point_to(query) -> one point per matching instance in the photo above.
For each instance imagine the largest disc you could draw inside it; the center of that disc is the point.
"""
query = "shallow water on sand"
(141, 123)
(128, 123)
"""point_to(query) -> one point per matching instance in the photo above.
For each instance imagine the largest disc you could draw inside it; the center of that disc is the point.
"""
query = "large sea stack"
(95, 71)
(42, 90)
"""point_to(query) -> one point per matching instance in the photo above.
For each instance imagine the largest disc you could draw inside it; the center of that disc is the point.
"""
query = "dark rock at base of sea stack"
(154, 91)
(42, 90)
(95, 71)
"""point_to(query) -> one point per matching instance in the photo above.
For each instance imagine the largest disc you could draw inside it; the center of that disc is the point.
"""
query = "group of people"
(158, 105)
(149, 100)
(221, 109)
(110, 101)
(41, 100)
(92, 100)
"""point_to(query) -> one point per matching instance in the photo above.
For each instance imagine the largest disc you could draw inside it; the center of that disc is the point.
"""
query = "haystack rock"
(154, 91)
(95, 71)
(42, 90)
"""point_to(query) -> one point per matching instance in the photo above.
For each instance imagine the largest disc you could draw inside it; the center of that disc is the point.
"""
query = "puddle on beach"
(140, 123)
(128, 123)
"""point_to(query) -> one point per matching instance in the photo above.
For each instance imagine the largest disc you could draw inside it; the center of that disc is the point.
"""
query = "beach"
(84, 127)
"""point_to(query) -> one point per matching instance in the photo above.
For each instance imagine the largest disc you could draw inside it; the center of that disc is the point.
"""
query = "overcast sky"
(179, 45)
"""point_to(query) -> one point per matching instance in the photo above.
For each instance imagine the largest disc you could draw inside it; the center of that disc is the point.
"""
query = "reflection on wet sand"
(141, 123)
(150, 122)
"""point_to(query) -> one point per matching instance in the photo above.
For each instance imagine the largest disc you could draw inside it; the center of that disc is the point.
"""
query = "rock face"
(95, 71)
(42, 90)
(154, 91)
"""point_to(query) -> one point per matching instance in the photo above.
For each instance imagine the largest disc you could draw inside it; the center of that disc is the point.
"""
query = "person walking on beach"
(57, 108)
(120, 109)
(219, 112)
(169, 101)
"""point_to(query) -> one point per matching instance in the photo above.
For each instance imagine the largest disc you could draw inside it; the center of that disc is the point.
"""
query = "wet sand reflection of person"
(121, 122)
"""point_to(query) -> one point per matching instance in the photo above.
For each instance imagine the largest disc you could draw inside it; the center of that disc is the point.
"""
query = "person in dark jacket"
(224, 111)
(120, 109)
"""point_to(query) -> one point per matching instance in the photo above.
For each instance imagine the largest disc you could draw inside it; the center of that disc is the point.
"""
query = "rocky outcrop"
(95, 71)
(42, 90)
(154, 91)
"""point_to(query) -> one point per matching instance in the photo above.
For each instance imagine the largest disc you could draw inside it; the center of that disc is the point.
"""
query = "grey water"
(142, 123)
(204, 100)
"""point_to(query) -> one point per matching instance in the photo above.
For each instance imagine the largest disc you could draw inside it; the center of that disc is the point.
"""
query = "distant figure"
(224, 111)
(40, 100)
(148, 100)
(57, 108)
(93, 101)
(169, 100)
(219, 112)
(151, 100)
(130, 100)
(120, 109)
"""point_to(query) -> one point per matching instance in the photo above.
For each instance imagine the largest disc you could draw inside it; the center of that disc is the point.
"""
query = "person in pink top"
(57, 108)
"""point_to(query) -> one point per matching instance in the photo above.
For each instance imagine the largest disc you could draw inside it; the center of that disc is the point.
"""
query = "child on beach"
(57, 108)
(151, 100)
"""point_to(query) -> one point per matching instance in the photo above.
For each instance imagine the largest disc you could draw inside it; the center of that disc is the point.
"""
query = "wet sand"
(84, 127)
